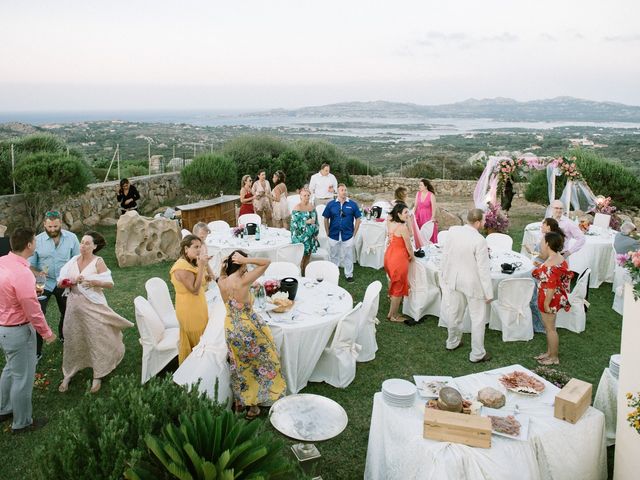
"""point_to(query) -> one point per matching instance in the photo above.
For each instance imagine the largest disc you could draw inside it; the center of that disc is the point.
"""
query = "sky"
(68, 55)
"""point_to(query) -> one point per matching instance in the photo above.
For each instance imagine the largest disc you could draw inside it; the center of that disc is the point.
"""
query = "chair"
(442, 237)
(185, 232)
(374, 244)
(323, 237)
(602, 221)
(249, 218)
(576, 318)
(325, 269)
(160, 299)
(320, 254)
(500, 241)
(620, 277)
(293, 201)
(291, 253)
(426, 231)
(219, 226)
(511, 311)
(368, 321)
(159, 344)
(282, 270)
(424, 295)
(337, 364)
(215, 262)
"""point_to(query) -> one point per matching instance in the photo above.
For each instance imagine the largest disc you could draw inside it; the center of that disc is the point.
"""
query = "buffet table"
(597, 253)
(554, 449)
(270, 240)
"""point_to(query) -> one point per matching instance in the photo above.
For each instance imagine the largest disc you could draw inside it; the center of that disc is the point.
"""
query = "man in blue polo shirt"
(341, 221)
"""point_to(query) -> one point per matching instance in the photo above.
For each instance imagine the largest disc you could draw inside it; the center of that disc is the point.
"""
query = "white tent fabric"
(575, 193)
(576, 318)
(511, 310)
(368, 321)
(487, 186)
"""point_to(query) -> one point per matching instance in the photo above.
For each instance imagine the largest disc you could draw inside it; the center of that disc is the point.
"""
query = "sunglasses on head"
(52, 214)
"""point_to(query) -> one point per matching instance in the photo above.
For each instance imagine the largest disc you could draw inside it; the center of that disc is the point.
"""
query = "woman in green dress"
(304, 227)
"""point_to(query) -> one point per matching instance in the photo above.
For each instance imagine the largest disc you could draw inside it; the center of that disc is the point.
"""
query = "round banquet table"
(302, 333)
(270, 240)
(597, 253)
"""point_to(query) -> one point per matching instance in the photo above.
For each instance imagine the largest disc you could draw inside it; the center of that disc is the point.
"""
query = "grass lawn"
(403, 352)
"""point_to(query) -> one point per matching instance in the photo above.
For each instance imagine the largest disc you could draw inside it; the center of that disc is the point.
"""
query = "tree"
(291, 163)
(209, 174)
(253, 153)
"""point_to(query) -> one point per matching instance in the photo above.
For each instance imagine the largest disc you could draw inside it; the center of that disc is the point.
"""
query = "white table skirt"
(270, 240)
(606, 401)
(597, 254)
(554, 450)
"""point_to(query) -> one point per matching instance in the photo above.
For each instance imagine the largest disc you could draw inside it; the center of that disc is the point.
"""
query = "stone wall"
(452, 188)
(98, 205)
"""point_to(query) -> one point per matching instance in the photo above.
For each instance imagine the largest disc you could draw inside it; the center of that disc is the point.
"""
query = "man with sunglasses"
(342, 220)
(54, 248)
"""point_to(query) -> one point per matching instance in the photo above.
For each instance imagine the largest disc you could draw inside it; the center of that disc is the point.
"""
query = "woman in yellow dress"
(256, 378)
(188, 276)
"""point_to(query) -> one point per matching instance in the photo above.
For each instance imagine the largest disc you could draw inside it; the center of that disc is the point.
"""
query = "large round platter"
(308, 417)
(530, 392)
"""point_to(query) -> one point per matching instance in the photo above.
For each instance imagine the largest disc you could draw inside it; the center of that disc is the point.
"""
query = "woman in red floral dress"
(553, 278)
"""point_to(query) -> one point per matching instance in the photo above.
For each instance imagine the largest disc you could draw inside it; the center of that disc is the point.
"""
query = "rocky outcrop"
(3, 229)
(144, 241)
(447, 219)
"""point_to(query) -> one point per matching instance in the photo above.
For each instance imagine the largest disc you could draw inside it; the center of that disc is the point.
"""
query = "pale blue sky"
(82, 55)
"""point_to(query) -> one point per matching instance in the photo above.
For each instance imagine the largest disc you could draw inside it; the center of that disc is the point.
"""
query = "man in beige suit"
(466, 281)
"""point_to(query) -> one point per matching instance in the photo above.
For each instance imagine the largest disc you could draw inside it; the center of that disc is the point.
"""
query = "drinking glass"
(41, 280)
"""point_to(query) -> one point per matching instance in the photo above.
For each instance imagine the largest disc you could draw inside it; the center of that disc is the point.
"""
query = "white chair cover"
(282, 269)
(368, 321)
(329, 271)
(159, 344)
(499, 241)
(219, 226)
(426, 231)
(323, 238)
(160, 299)
(620, 277)
(320, 254)
(207, 362)
(291, 253)
(424, 297)
(602, 221)
(511, 312)
(249, 218)
(185, 232)
(215, 262)
(385, 205)
(293, 201)
(374, 244)
(576, 318)
(442, 237)
(337, 364)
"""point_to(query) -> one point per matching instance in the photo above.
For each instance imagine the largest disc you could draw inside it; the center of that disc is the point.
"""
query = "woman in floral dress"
(304, 227)
(553, 278)
(256, 378)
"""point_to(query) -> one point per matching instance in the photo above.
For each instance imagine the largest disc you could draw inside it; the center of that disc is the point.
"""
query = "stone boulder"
(3, 229)
(145, 241)
(92, 220)
(108, 222)
(447, 219)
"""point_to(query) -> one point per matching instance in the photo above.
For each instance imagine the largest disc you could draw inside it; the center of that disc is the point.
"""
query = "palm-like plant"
(223, 447)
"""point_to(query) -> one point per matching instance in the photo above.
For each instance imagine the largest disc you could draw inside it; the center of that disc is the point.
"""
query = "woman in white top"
(279, 205)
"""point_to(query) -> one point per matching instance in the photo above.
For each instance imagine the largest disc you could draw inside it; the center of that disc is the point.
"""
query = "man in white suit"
(466, 281)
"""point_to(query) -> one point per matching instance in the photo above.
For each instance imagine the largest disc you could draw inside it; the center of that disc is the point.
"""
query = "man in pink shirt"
(570, 229)
(20, 318)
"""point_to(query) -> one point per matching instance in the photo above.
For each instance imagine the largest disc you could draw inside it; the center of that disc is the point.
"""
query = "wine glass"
(41, 280)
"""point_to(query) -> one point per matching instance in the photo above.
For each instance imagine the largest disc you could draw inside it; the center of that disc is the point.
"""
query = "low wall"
(98, 205)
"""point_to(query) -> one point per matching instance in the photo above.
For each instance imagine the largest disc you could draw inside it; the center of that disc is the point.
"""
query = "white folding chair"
(424, 293)
(368, 321)
(323, 237)
(325, 269)
(219, 226)
(185, 232)
(374, 244)
(319, 255)
(291, 253)
(602, 221)
(282, 270)
(249, 218)
(160, 299)
(159, 344)
(511, 312)
(337, 364)
(499, 241)
(442, 237)
(426, 231)
(576, 318)
(620, 277)
(293, 201)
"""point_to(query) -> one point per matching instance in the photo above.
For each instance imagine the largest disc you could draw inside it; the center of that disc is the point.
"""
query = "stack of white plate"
(398, 393)
(614, 364)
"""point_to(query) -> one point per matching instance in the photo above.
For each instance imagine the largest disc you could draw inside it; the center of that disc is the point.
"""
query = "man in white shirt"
(466, 281)
(323, 185)
(569, 228)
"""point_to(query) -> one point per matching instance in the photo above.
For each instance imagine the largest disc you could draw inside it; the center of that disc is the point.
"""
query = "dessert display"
(521, 382)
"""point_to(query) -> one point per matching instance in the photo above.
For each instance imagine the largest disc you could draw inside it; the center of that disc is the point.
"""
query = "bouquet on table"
(495, 220)
(271, 287)
(237, 231)
(631, 262)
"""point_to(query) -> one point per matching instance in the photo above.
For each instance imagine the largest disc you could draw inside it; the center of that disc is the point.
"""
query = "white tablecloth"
(554, 450)
(302, 333)
(597, 254)
(270, 240)
(606, 401)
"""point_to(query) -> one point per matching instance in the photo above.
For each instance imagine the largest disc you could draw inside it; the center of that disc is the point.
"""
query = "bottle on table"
(257, 232)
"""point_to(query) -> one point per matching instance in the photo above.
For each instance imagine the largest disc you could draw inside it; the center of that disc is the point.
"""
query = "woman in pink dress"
(425, 206)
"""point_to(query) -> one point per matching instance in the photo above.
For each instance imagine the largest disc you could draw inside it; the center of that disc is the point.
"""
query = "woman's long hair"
(428, 184)
(228, 267)
(186, 243)
(396, 211)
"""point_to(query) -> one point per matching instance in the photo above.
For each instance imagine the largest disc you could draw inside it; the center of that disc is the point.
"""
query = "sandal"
(549, 361)
(252, 413)
(542, 356)
(395, 319)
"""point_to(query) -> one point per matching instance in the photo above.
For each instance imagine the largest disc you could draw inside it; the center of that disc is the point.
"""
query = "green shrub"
(133, 171)
(356, 166)
(295, 169)
(209, 174)
(205, 446)
(102, 436)
(252, 153)
(421, 170)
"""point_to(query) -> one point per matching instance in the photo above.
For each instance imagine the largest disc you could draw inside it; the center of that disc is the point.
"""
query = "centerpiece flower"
(237, 231)
(495, 221)
(631, 262)
(271, 287)
(606, 207)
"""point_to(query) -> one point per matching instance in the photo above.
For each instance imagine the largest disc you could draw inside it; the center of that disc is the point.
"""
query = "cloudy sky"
(161, 54)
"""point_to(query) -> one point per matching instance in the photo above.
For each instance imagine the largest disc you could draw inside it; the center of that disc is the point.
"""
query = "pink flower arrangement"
(631, 262)
(605, 206)
(495, 219)
(237, 230)
(271, 287)
(507, 169)
(568, 168)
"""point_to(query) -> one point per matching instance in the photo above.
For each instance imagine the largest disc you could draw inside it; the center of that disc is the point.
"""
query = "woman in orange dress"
(553, 285)
(397, 257)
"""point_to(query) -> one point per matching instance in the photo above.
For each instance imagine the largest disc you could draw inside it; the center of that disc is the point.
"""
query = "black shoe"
(37, 424)
(486, 358)
(350, 279)
(6, 416)
(455, 348)
(411, 322)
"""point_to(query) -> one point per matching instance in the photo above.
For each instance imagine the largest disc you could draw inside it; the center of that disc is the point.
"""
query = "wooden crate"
(471, 430)
(572, 401)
